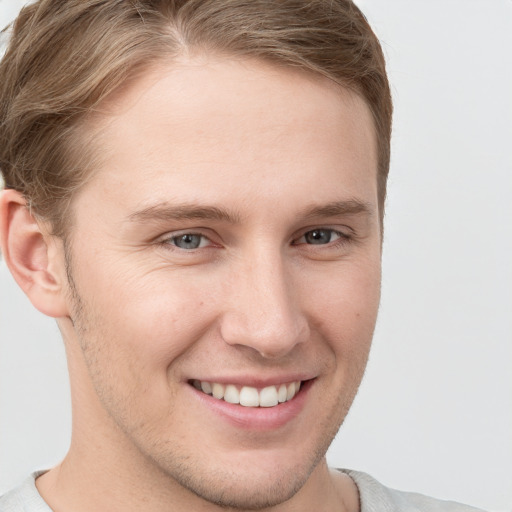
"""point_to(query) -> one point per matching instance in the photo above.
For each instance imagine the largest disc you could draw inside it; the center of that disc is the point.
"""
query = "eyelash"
(342, 239)
(170, 240)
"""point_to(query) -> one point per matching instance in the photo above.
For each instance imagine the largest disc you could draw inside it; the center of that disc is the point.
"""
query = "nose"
(263, 310)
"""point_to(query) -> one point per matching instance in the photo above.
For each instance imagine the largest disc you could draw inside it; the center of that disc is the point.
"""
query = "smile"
(248, 396)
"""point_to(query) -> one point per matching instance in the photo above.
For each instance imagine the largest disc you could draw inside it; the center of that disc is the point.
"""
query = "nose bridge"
(264, 311)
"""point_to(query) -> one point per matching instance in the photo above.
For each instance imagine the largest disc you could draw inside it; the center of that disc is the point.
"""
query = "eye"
(189, 241)
(319, 237)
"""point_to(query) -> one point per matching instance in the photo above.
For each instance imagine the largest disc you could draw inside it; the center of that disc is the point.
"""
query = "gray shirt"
(374, 497)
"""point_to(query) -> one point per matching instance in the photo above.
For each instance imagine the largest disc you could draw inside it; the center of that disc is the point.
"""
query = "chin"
(250, 480)
(247, 490)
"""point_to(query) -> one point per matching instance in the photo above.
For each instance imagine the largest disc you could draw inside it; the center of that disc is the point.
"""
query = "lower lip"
(256, 418)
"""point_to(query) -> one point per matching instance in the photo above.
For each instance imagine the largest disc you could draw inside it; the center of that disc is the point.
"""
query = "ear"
(35, 258)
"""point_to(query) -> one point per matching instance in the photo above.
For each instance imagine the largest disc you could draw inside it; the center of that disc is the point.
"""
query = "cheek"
(133, 332)
(164, 323)
(346, 306)
(150, 318)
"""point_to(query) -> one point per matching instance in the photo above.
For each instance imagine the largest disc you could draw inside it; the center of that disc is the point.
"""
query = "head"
(195, 190)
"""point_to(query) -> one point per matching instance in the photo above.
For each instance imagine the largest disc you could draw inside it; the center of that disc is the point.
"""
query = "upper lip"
(256, 381)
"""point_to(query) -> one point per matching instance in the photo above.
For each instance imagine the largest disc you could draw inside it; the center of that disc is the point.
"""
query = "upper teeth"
(249, 396)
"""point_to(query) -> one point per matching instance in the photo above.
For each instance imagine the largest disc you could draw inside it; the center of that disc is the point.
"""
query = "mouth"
(248, 396)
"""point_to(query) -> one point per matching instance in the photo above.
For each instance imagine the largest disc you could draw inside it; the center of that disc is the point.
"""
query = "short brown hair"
(65, 57)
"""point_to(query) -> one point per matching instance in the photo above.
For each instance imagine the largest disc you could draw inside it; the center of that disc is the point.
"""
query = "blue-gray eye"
(189, 241)
(320, 236)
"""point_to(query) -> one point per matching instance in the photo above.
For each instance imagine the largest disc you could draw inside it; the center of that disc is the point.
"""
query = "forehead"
(199, 124)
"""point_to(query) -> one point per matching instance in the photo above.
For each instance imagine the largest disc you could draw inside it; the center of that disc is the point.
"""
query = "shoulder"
(375, 497)
(24, 498)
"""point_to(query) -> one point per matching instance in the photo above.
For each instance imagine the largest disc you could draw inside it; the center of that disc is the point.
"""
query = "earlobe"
(32, 255)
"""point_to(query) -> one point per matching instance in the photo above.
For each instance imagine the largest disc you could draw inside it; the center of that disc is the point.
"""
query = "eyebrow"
(165, 212)
(339, 209)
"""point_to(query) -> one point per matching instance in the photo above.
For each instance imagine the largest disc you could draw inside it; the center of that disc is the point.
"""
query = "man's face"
(230, 240)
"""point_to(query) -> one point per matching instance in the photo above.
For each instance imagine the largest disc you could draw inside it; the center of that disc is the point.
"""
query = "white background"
(434, 413)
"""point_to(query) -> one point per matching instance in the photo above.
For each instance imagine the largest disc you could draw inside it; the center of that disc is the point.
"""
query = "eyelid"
(166, 240)
(342, 236)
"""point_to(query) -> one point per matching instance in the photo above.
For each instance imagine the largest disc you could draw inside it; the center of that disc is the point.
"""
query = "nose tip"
(266, 316)
(271, 336)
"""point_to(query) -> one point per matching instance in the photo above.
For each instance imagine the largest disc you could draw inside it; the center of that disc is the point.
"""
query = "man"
(195, 191)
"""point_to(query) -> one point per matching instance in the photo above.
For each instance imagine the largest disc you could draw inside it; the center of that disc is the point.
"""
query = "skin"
(256, 158)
